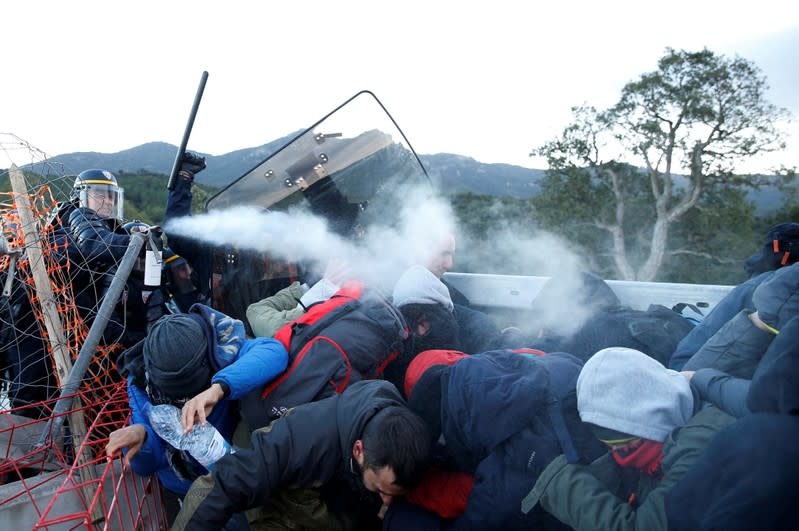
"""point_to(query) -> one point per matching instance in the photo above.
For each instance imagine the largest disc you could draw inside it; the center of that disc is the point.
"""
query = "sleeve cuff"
(225, 387)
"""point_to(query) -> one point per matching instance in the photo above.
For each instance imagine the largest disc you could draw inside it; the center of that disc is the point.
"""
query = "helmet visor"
(105, 199)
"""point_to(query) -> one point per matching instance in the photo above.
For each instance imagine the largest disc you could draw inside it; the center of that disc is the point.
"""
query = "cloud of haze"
(378, 257)
(384, 251)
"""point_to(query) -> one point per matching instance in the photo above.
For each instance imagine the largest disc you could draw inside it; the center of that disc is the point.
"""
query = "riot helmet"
(181, 280)
(98, 190)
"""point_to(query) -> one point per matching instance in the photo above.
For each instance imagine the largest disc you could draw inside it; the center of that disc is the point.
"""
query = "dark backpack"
(353, 335)
(655, 332)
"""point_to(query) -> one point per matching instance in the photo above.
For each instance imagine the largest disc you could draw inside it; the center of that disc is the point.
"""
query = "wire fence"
(50, 295)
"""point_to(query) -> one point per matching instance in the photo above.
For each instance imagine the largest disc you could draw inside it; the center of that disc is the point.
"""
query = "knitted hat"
(176, 357)
(418, 285)
(776, 299)
(625, 390)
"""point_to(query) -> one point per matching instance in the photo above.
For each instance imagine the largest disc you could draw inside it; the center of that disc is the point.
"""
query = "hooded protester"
(648, 418)
(201, 362)
(738, 346)
(329, 464)
(780, 249)
(747, 478)
(773, 382)
(425, 303)
(499, 417)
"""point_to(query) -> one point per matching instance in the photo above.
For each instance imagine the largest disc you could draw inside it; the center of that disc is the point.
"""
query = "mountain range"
(450, 173)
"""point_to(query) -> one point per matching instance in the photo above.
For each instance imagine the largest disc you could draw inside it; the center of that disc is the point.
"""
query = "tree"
(634, 170)
(789, 210)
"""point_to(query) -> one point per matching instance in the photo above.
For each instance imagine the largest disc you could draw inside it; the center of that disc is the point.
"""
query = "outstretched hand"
(131, 437)
(198, 408)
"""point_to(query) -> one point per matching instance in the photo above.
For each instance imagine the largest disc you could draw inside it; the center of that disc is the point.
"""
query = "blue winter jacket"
(504, 417)
(738, 299)
(746, 479)
(242, 364)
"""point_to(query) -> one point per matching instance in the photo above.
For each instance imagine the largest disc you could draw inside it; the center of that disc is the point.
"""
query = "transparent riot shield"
(353, 167)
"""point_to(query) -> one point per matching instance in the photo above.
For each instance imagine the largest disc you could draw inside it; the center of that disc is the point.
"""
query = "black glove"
(154, 307)
(192, 164)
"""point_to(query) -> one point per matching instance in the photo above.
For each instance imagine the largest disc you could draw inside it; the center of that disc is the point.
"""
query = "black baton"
(182, 149)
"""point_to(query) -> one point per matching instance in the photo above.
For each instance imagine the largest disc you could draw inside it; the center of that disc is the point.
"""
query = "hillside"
(158, 157)
(450, 173)
(454, 174)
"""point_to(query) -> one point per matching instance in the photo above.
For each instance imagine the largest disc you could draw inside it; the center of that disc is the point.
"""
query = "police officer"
(92, 219)
(86, 232)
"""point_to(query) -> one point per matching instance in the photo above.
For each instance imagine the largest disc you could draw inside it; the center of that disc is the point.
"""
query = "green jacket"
(596, 496)
(267, 316)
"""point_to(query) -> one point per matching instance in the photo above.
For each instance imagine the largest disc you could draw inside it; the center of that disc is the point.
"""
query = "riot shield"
(352, 167)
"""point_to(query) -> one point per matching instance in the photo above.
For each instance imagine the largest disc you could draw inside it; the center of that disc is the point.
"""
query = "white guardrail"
(511, 292)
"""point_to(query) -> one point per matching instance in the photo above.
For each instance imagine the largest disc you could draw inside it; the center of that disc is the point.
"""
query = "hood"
(358, 404)
(625, 390)
(224, 334)
(502, 385)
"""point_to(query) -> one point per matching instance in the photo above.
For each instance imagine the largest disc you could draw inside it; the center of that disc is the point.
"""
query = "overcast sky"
(489, 80)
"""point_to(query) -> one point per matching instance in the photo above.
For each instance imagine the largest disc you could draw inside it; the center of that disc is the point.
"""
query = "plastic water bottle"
(203, 442)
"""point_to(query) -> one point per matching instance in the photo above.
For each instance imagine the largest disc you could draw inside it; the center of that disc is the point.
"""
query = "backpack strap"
(339, 387)
(555, 413)
(561, 431)
(302, 332)
(350, 291)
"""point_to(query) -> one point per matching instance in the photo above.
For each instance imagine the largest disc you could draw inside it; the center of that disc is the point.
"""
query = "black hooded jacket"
(310, 446)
